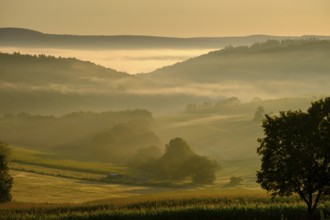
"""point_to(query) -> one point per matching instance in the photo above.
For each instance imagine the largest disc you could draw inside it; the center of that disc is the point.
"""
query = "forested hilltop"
(271, 60)
(274, 69)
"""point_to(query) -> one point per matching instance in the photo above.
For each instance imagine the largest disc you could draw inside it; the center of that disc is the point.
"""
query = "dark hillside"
(273, 60)
(26, 68)
(275, 69)
(50, 85)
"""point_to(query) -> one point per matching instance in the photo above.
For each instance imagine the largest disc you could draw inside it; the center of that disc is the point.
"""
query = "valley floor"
(32, 187)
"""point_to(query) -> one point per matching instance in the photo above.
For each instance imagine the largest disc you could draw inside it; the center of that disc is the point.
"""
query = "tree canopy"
(6, 181)
(296, 154)
(201, 169)
(180, 162)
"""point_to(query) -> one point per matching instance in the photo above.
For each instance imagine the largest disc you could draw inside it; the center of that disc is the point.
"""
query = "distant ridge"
(273, 69)
(19, 37)
(273, 60)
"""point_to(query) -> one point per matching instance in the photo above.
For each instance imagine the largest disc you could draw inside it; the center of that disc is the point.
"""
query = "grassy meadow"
(42, 177)
(49, 188)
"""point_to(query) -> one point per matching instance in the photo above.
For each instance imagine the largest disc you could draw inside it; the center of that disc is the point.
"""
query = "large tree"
(176, 153)
(180, 162)
(201, 169)
(6, 181)
(296, 154)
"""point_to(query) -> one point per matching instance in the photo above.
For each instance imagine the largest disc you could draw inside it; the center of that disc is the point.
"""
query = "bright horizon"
(129, 61)
(193, 18)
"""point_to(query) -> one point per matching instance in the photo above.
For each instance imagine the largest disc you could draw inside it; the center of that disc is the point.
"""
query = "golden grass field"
(47, 188)
(40, 177)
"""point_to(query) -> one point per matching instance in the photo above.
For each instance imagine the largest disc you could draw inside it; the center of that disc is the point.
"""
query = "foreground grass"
(185, 205)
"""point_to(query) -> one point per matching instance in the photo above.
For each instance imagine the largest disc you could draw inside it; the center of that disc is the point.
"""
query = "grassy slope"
(43, 177)
(41, 196)
(229, 139)
(50, 179)
(37, 188)
(33, 157)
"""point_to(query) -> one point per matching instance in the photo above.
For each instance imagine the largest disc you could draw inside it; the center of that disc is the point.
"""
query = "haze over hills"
(18, 37)
(274, 69)
(210, 101)
(268, 70)
(266, 61)
(45, 84)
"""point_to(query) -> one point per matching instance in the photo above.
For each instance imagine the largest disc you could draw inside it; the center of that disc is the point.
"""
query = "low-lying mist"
(212, 105)
(124, 60)
(270, 70)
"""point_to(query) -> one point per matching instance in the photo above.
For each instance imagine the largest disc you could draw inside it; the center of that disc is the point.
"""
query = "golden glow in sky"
(182, 18)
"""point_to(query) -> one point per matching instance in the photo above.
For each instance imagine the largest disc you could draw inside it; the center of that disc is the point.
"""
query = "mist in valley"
(213, 104)
(131, 61)
(149, 120)
(164, 109)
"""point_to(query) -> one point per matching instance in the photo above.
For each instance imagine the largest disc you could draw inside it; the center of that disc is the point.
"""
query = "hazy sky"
(184, 18)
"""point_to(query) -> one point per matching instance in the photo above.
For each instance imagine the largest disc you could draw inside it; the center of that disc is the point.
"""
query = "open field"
(195, 204)
(41, 188)
(45, 159)
(47, 190)
(40, 184)
(40, 177)
(31, 187)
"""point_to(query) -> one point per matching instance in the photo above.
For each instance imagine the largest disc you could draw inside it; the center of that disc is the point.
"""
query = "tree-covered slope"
(36, 69)
(272, 60)
(42, 83)
(274, 69)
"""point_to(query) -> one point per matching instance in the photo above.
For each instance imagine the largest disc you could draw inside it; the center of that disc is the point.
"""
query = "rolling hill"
(272, 69)
(54, 85)
(272, 60)
(18, 37)
(215, 125)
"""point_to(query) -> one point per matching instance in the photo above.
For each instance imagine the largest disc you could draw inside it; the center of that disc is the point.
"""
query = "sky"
(178, 18)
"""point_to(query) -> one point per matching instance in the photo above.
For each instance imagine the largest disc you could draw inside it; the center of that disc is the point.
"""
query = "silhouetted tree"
(6, 181)
(296, 154)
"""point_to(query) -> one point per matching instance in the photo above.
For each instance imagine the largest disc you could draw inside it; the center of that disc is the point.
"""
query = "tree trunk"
(310, 211)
